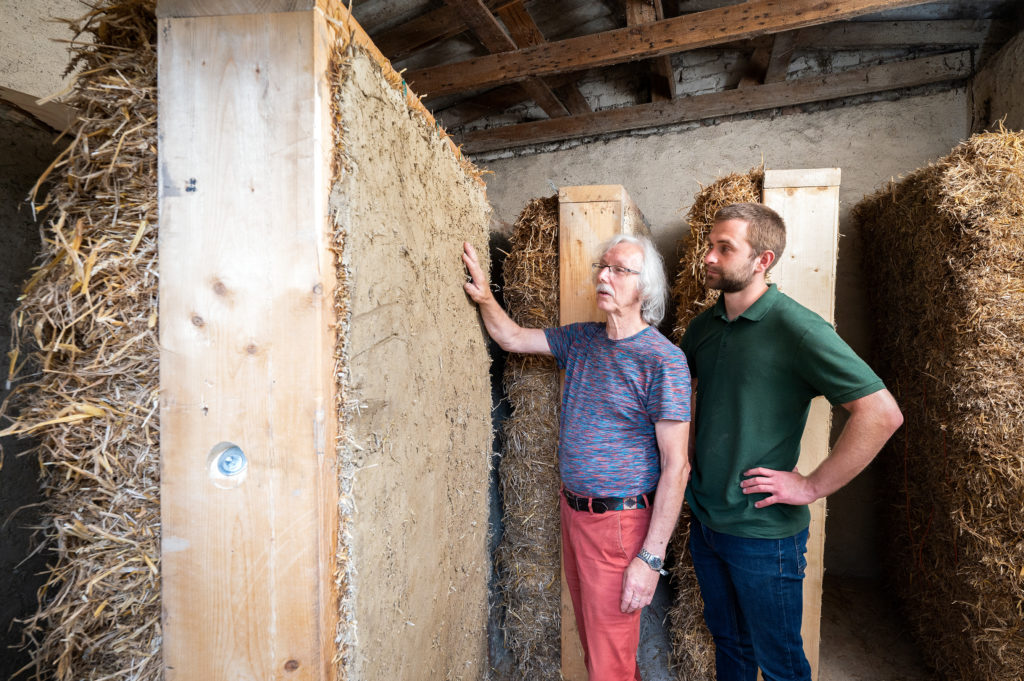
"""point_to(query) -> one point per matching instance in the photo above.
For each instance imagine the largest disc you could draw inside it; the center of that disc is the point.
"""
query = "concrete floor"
(862, 637)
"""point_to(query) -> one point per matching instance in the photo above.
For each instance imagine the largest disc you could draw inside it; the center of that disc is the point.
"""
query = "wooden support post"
(808, 200)
(246, 282)
(587, 216)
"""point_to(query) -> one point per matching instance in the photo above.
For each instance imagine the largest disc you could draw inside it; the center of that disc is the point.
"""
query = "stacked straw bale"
(693, 655)
(947, 286)
(528, 558)
(690, 295)
(86, 353)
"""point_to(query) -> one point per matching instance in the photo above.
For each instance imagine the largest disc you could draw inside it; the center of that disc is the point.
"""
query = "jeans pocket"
(800, 549)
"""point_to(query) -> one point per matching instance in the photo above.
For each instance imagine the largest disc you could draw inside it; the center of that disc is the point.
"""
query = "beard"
(729, 281)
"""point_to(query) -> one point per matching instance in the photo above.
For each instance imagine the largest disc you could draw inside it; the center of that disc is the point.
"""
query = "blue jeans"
(753, 603)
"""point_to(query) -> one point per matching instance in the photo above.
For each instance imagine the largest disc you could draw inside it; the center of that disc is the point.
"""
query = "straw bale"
(692, 649)
(689, 293)
(85, 366)
(528, 559)
(947, 288)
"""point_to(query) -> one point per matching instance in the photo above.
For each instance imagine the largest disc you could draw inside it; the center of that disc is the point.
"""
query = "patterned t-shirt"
(615, 390)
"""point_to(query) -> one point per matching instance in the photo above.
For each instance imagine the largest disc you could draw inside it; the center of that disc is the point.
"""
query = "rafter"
(911, 73)
(486, 28)
(781, 54)
(691, 31)
(399, 42)
(54, 114)
(862, 35)
(526, 33)
(663, 81)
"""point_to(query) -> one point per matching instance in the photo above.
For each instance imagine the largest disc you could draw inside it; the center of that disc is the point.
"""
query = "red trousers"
(596, 548)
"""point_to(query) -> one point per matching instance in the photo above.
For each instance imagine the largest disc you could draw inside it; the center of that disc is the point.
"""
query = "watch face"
(655, 562)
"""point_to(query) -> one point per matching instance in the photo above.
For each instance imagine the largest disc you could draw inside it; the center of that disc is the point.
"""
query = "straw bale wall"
(528, 559)
(25, 152)
(85, 360)
(947, 288)
(693, 655)
(411, 370)
(414, 391)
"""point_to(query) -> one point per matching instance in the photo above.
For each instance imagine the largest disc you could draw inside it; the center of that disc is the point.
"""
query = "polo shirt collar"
(755, 312)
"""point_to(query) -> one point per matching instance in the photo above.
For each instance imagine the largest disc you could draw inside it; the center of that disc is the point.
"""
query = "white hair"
(651, 282)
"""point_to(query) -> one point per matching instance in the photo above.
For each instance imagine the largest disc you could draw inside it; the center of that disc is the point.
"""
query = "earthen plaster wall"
(418, 386)
(870, 142)
(998, 89)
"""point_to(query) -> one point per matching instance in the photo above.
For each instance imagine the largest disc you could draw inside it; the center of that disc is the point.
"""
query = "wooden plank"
(486, 28)
(911, 73)
(587, 216)
(214, 8)
(757, 68)
(808, 200)
(501, 98)
(687, 32)
(662, 74)
(525, 33)
(818, 177)
(247, 345)
(425, 30)
(783, 47)
(863, 35)
(52, 114)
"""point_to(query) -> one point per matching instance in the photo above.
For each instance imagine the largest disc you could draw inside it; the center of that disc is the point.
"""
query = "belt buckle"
(629, 503)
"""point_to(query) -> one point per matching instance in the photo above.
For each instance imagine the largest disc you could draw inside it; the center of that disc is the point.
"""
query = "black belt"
(602, 504)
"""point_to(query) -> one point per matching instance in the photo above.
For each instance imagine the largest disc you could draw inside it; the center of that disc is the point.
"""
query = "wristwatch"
(655, 562)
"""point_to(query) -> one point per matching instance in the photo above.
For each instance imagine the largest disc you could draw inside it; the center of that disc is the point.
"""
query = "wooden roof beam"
(892, 76)
(663, 77)
(862, 35)
(687, 32)
(781, 54)
(526, 33)
(425, 30)
(485, 26)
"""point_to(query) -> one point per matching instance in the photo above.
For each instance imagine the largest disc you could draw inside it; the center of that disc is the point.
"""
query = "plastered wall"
(869, 142)
(998, 89)
(419, 393)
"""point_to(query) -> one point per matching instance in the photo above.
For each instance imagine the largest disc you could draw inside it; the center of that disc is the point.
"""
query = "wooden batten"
(246, 282)
(808, 200)
(587, 216)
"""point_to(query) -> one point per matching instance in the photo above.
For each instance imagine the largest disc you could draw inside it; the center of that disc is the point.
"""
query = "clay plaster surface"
(418, 366)
(998, 89)
(32, 59)
(870, 142)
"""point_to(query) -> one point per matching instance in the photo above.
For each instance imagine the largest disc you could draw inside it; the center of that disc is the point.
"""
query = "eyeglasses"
(617, 270)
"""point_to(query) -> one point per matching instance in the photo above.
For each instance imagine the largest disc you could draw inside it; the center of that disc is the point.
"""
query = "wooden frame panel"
(246, 281)
(808, 200)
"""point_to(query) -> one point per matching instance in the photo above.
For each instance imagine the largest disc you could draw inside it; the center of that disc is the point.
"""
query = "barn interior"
(662, 97)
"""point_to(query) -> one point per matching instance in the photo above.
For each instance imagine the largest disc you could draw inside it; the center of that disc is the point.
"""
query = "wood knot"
(219, 288)
(291, 665)
(198, 321)
(252, 348)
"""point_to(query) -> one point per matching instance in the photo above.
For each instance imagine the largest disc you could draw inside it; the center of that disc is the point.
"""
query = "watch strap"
(656, 563)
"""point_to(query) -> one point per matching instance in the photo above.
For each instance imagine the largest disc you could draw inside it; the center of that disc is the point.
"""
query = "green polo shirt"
(756, 376)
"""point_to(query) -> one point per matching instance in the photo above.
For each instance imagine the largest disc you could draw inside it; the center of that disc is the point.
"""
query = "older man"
(622, 444)
(758, 359)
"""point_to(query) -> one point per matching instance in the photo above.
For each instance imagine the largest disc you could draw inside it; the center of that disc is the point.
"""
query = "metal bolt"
(231, 461)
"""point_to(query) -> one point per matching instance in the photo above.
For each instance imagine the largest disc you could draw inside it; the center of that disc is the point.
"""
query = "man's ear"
(765, 260)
